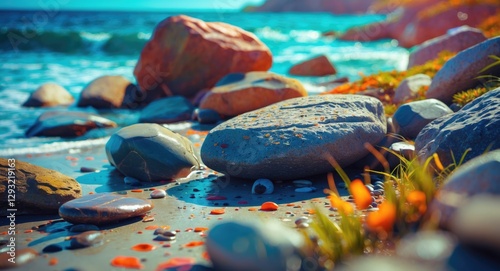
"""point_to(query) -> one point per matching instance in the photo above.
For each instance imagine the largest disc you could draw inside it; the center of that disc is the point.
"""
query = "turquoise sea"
(73, 48)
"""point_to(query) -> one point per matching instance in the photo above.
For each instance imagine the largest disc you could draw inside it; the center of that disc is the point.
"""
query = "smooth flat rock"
(480, 175)
(107, 92)
(455, 40)
(317, 66)
(99, 209)
(67, 124)
(412, 117)
(460, 72)
(409, 87)
(186, 55)
(239, 93)
(475, 126)
(291, 139)
(49, 95)
(167, 110)
(38, 190)
(150, 153)
(252, 246)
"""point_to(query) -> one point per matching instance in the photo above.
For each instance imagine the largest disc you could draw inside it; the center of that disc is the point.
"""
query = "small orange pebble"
(89, 158)
(126, 262)
(152, 227)
(252, 209)
(53, 261)
(188, 229)
(269, 206)
(148, 219)
(136, 190)
(143, 247)
(28, 231)
(361, 194)
(176, 262)
(91, 193)
(311, 211)
(28, 239)
(200, 229)
(139, 232)
(290, 204)
(197, 144)
(194, 244)
(217, 211)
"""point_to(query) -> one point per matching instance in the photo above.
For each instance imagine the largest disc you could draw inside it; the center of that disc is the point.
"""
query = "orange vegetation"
(361, 194)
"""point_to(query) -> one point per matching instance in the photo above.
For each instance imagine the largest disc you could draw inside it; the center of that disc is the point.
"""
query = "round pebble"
(370, 187)
(164, 238)
(302, 220)
(303, 225)
(263, 186)
(378, 192)
(83, 228)
(103, 208)
(158, 194)
(87, 239)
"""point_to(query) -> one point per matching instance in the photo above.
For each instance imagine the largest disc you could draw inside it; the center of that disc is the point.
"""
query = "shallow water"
(73, 48)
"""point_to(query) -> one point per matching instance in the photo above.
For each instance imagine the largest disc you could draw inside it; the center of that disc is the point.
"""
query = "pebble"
(83, 228)
(52, 248)
(131, 181)
(164, 238)
(302, 220)
(263, 186)
(158, 194)
(87, 239)
(370, 187)
(302, 183)
(305, 189)
(88, 169)
(378, 192)
(303, 225)
(103, 208)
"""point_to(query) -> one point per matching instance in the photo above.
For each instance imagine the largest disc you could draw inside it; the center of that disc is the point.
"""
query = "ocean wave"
(72, 42)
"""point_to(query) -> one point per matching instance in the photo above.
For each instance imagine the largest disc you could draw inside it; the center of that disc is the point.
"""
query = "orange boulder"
(110, 92)
(318, 66)
(186, 55)
(239, 93)
(48, 95)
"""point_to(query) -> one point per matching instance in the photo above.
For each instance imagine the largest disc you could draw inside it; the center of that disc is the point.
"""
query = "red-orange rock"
(110, 92)
(48, 95)
(318, 66)
(454, 41)
(239, 93)
(420, 21)
(186, 55)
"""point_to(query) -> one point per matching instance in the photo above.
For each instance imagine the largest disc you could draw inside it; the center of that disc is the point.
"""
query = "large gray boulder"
(150, 153)
(460, 72)
(293, 138)
(475, 126)
(412, 117)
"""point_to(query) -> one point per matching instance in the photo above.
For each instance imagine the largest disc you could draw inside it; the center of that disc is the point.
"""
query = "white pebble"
(131, 181)
(158, 194)
(305, 189)
(263, 186)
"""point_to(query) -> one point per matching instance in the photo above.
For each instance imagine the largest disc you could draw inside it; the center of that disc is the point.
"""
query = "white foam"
(54, 147)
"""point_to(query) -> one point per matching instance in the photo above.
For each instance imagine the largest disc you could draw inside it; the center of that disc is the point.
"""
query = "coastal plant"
(491, 26)
(359, 229)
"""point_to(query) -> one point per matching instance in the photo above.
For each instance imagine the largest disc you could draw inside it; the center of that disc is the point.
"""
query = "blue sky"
(128, 4)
